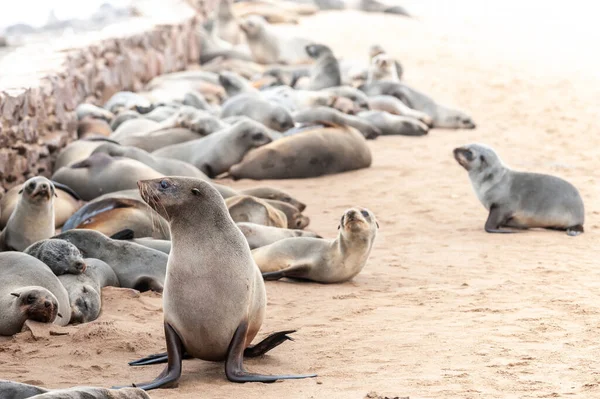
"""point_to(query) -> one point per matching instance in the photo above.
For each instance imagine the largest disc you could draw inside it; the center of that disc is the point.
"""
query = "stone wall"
(40, 87)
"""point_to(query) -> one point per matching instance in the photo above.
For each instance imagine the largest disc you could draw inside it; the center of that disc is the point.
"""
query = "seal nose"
(47, 304)
(351, 214)
(81, 266)
(44, 186)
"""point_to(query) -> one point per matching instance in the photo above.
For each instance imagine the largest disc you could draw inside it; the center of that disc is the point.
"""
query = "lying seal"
(60, 256)
(389, 124)
(16, 390)
(244, 208)
(235, 84)
(159, 245)
(79, 150)
(100, 173)
(33, 217)
(208, 314)
(274, 194)
(259, 235)
(520, 199)
(313, 153)
(160, 138)
(29, 290)
(91, 127)
(295, 219)
(320, 260)
(272, 115)
(394, 106)
(86, 110)
(124, 100)
(332, 117)
(216, 153)
(325, 72)
(136, 266)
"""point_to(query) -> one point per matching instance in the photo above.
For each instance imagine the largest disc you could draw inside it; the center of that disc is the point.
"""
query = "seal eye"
(364, 213)
(164, 184)
(31, 185)
(258, 136)
(482, 158)
(30, 299)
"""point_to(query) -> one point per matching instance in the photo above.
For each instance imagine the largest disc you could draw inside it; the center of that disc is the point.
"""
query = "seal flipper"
(574, 231)
(125, 234)
(271, 342)
(66, 189)
(155, 359)
(170, 375)
(298, 272)
(497, 218)
(234, 365)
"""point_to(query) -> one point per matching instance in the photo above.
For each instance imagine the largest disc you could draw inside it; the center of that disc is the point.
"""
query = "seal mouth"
(80, 266)
(42, 192)
(464, 157)
(44, 311)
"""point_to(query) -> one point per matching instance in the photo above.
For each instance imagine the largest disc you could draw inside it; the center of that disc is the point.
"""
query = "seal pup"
(272, 115)
(100, 173)
(208, 314)
(29, 290)
(136, 266)
(125, 100)
(33, 217)
(325, 72)
(295, 219)
(320, 260)
(244, 208)
(332, 117)
(389, 124)
(376, 50)
(86, 110)
(382, 67)
(315, 152)
(216, 153)
(60, 256)
(274, 194)
(520, 199)
(394, 106)
(259, 235)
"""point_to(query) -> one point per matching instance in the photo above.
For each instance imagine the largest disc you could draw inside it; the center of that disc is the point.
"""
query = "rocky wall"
(40, 87)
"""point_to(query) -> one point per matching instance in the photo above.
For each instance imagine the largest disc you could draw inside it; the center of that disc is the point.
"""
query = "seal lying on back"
(60, 256)
(324, 261)
(29, 290)
(520, 199)
(312, 153)
(33, 217)
(136, 266)
(214, 298)
(258, 235)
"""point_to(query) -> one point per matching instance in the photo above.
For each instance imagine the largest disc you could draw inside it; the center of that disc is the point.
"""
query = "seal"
(92, 127)
(208, 314)
(332, 117)
(244, 208)
(226, 26)
(271, 115)
(60, 256)
(325, 72)
(79, 150)
(389, 124)
(320, 260)
(86, 110)
(160, 138)
(216, 153)
(316, 152)
(259, 235)
(33, 217)
(122, 117)
(382, 67)
(136, 266)
(124, 100)
(100, 173)
(235, 84)
(29, 291)
(295, 219)
(273, 193)
(16, 390)
(396, 107)
(519, 199)
(128, 234)
(376, 50)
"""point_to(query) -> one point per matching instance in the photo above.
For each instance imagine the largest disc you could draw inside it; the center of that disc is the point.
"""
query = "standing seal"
(60, 256)
(33, 217)
(29, 290)
(519, 199)
(214, 298)
(320, 260)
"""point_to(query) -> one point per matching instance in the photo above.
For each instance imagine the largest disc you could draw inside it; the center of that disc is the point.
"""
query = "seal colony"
(140, 202)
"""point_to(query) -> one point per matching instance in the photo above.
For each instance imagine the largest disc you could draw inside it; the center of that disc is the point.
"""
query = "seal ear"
(377, 223)
(21, 191)
(15, 294)
(195, 191)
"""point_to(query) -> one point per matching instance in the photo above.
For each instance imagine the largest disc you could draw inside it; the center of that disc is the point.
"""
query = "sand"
(442, 309)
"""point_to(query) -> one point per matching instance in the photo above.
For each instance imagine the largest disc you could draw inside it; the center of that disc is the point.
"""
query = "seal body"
(258, 235)
(325, 72)
(520, 199)
(244, 208)
(324, 261)
(33, 218)
(273, 193)
(60, 256)
(272, 115)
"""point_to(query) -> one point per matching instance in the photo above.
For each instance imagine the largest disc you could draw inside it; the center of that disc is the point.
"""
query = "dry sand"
(442, 309)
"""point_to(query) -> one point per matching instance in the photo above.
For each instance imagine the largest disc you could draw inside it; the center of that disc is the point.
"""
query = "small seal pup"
(258, 235)
(332, 117)
(60, 256)
(136, 266)
(325, 72)
(29, 290)
(320, 260)
(520, 199)
(244, 208)
(214, 299)
(394, 106)
(272, 115)
(315, 152)
(33, 217)
(382, 67)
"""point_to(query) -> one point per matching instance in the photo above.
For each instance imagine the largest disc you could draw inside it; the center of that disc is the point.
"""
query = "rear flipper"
(299, 272)
(574, 231)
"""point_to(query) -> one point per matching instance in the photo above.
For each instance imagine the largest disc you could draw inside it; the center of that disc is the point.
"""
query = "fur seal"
(389, 124)
(124, 100)
(216, 153)
(122, 117)
(16, 390)
(226, 26)
(159, 245)
(208, 314)
(100, 173)
(92, 127)
(313, 153)
(356, 96)
(160, 138)
(33, 217)
(272, 115)
(60, 256)
(259, 235)
(443, 117)
(29, 290)
(274, 194)
(382, 67)
(234, 84)
(79, 150)
(320, 260)
(86, 110)
(520, 199)
(325, 72)
(85, 290)
(333, 117)
(295, 219)
(136, 266)
(394, 106)
(244, 208)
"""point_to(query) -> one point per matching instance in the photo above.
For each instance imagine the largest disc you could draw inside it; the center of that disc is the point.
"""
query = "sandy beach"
(442, 309)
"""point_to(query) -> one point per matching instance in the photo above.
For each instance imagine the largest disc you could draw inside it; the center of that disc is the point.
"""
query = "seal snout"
(463, 156)
(80, 266)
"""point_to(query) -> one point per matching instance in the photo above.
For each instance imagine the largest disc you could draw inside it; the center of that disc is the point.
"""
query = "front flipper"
(234, 365)
(170, 375)
(299, 272)
(496, 219)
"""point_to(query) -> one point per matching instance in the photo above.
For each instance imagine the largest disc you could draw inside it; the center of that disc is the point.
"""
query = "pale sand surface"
(442, 309)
